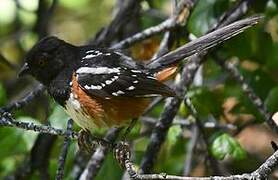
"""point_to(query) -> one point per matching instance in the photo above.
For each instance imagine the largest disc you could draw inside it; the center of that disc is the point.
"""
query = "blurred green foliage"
(256, 52)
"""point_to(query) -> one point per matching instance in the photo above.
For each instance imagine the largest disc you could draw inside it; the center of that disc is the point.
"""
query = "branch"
(128, 9)
(190, 150)
(188, 123)
(213, 162)
(6, 119)
(178, 19)
(43, 17)
(256, 100)
(64, 152)
(38, 90)
(172, 104)
(261, 173)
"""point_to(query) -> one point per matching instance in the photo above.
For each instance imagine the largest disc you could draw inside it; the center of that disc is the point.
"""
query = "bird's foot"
(88, 143)
(122, 153)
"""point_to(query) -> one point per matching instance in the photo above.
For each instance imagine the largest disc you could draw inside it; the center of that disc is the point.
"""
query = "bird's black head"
(47, 58)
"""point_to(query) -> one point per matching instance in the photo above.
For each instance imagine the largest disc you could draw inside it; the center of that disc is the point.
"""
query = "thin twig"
(64, 152)
(127, 11)
(38, 90)
(6, 119)
(256, 100)
(170, 23)
(188, 123)
(213, 162)
(263, 172)
(44, 14)
(190, 150)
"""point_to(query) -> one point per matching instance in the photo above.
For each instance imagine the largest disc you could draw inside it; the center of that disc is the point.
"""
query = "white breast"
(74, 110)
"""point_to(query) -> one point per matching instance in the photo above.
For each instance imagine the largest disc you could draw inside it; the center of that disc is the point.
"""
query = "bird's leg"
(129, 128)
(88, 143)
(121, 151)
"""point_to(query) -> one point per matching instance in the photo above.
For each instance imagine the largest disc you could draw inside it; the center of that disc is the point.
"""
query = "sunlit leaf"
(225, 145)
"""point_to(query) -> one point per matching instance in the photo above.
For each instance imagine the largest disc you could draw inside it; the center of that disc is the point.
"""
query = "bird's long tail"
(203, 43)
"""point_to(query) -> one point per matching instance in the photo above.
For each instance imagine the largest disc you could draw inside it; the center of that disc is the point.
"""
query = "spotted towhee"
(101, 87)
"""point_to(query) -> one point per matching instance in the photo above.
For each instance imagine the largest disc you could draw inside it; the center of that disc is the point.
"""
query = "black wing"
(108, 74)
(120, 82)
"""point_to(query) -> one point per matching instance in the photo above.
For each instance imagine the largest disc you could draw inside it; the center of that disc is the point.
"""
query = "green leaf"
(225, 145)
(183, 111)
(203, 98)
(173, 134)
(272, 100)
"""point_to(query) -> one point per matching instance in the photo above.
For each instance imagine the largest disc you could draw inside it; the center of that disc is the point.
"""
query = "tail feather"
(203, 43)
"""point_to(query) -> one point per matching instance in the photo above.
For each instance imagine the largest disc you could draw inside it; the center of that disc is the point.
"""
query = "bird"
(102, 87)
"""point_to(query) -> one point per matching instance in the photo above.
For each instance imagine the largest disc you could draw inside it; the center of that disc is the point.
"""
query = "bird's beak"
(24, 70)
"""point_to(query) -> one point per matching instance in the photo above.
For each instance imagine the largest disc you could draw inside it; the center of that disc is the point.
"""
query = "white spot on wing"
(98, 70)
(108, 82)
(114, 94)
(89, 56)
(130, 88)
(118, 93)
(135, 82)
(136, 71)
(150, 77)
(97, 87)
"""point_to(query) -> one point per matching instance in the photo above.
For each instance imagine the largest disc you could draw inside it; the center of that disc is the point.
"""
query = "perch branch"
(263, 172)
(6, 119)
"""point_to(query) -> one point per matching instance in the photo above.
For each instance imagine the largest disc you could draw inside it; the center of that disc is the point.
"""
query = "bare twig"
(262, 172)
(172, 22)
(64, 152)
(127, 10)
(190, 151)
(256, 100)
(213, 162)
(188, 123)
(44, 14)
(38, 90)
(6, 119)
